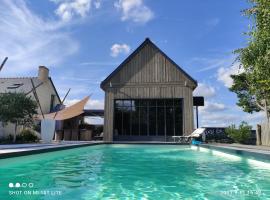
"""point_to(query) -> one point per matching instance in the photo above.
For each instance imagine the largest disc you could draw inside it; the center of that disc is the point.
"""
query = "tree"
(240, 135)
(17, 108)
(253, 85)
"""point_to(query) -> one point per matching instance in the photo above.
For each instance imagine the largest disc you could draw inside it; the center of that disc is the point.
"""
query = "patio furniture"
(187, 138)
(99, 137)
(58, 135)
(86, 135)
(67, 134)
(74, 134)
(182, 139)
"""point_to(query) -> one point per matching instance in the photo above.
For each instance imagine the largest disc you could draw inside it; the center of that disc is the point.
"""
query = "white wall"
(44, 93)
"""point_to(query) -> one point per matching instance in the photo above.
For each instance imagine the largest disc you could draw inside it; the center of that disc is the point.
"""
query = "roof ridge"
(171, 60)
(18, 77)
(147, 40)
(129, 57)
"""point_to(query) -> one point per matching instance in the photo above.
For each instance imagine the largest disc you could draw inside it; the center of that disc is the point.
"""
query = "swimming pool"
(134, 172)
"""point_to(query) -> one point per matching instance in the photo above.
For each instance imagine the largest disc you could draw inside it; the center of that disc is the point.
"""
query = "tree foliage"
(253, 85)
(241, 134)
(17, 108)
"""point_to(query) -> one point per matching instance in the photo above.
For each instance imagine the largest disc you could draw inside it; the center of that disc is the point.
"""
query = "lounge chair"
(99, 137)
(182, 138)
(187, 138)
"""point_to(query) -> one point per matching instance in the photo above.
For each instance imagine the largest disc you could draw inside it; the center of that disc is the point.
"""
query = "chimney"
(43, 73)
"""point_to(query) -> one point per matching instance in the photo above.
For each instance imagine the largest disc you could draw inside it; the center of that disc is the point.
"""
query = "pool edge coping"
(231, 150)
(50, 148)
(237, 151)
(47, 150)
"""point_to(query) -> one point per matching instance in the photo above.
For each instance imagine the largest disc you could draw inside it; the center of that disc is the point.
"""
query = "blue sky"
(83, 41)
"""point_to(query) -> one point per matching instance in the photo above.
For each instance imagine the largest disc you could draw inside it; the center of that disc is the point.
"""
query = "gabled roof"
(147, 41)
(22, 84)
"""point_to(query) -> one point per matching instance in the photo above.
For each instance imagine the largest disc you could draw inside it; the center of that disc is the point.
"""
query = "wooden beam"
(33, 89)
(3, 63)
(61, 103)
(36, 97)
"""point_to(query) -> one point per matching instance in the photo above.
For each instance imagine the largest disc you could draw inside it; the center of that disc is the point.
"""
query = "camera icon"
(10, 185)
(21, 185)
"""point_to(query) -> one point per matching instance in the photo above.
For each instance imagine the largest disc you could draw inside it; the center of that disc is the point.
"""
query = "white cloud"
(29, 40)
(204, 90)
(224, 74)
(218, 119)
(79, 88)
(255, 118)
(134, 10)
(69, 8)
(213, 107)
(215, 114)
(209, 63)
(97, 4)
(91, 104)
(116, 49)
(224, 119)
(214, 63)
(102, 63)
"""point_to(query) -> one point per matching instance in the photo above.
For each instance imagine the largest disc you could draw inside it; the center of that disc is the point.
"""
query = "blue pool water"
(134, 172)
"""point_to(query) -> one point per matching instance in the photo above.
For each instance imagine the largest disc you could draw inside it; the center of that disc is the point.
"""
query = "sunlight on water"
(204, 150)
(194, 147)
(216, 153)
(258, 164)
(226, 155)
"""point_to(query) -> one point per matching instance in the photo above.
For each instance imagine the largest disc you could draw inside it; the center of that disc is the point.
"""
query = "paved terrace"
(252, 151)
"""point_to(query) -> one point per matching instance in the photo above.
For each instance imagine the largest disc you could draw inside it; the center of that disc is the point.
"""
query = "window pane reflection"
(148, 117)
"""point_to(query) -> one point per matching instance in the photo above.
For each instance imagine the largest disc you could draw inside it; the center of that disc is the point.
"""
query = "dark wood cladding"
(149, 66)
(148, 73)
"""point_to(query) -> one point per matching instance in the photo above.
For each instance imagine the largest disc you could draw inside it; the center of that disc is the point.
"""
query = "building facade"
(45, 89)
(148, 97)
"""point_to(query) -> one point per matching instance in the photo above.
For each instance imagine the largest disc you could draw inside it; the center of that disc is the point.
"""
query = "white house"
(45, 90)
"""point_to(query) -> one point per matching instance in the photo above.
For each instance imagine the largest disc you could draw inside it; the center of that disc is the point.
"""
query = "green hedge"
(27, 135)
(241, 134)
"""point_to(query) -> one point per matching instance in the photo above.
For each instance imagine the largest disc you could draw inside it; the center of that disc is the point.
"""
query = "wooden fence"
(263, 134)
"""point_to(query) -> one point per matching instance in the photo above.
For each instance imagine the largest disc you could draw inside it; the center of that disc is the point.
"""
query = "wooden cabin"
(148, 98)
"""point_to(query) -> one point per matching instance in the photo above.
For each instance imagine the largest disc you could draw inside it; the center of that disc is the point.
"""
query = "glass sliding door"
(143, 121)
(161, 121)
(169, 121)
(135, 120)
(148, 117)
(161, 126)
(118, 118)
(126, 122)
(118, 121)
(152, 121)
(178, 107)
(126, 110)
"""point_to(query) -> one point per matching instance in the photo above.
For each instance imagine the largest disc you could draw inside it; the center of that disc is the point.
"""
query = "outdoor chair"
(99, 137)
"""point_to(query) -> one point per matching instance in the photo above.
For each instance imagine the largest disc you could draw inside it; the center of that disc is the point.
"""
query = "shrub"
(240, 135)
(27, 135)
(37, 127)
(6, 140)
(17, 108)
